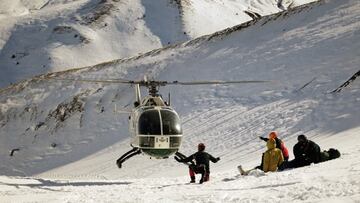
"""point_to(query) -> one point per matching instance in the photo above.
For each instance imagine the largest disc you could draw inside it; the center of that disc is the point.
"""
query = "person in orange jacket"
(279, 144)
(271, 159)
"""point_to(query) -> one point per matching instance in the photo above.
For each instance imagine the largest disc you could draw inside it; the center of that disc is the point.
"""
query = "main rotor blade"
(96, 81)
(214, 82)
(117, 81)
(162, 83)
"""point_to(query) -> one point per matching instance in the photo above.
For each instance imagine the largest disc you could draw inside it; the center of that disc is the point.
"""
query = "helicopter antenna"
(137, 93)
(169, 101)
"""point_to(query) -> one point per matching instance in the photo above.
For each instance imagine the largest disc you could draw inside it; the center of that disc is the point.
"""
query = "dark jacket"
(201, 157)
(309, 152)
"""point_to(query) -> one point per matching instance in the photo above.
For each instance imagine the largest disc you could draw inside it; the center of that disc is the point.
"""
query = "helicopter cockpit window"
(149, 123)
(171, 123)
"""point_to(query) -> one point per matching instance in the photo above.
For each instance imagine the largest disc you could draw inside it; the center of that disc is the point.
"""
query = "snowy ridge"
(195, 42)
(43, 36)
(50, 39)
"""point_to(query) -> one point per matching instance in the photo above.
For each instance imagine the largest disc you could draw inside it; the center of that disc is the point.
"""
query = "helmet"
(201, 147)
(302, 138)
(273, 134)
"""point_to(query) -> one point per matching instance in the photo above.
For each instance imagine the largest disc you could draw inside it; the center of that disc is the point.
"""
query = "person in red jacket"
(279, 144)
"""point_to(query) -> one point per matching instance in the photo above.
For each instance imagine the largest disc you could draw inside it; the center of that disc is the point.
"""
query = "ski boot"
(192, 179)
(241, 170)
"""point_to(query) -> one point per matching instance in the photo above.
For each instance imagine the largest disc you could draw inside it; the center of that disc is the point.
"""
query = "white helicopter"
(154, 125)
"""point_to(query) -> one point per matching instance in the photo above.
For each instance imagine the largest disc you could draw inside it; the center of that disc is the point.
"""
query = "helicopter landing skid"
(134, 151)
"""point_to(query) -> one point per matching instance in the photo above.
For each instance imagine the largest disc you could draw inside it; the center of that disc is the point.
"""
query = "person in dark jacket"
(305, 152)
(279, 144)
(201, 165)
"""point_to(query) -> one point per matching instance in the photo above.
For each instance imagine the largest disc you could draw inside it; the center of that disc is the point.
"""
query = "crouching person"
(306, 152)
(201, 165)
(271, 159)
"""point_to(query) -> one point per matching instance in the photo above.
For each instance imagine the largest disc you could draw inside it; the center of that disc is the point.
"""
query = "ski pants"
(199, 169)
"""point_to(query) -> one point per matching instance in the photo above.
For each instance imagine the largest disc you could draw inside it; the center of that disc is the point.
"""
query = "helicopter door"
(171, 127)
(170, 123)
(149, 123)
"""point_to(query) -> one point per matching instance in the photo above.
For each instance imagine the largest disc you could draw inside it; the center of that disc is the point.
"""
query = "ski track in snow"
(328, 181)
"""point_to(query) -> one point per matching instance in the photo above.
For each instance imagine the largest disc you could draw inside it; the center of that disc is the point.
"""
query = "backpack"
(329, 154)
(324, 156)
(333, 153)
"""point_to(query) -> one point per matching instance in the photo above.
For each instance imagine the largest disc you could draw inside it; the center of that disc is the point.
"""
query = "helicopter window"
(171, 123)
(146, 141)
(149, 123)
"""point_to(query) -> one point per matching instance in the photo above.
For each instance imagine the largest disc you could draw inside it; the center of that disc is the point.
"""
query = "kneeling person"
(201, 165)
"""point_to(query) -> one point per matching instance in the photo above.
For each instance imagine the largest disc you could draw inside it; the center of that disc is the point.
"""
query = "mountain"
(42, 36)
(69, 134)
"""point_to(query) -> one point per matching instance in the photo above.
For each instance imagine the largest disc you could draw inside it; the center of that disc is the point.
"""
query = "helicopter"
(155, 127)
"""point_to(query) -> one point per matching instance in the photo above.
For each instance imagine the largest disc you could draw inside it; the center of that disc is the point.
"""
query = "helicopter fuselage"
(155, 128)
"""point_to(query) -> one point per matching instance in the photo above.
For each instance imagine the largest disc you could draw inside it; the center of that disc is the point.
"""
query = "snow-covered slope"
(334, 181)
(205, 17)
(68, 34)
(41, 36)
(69, 131)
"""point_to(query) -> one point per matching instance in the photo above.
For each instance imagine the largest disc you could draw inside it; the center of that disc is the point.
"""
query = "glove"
(263, 138)
(218, 159)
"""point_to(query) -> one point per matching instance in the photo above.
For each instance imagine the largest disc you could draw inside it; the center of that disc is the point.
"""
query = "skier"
(305, 152)
(201, 164)
(279, 144)
(271, 159)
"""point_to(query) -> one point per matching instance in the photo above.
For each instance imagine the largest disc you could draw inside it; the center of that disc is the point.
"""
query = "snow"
(333, 181)
(42, 36)
(74, 160)
(203, 17)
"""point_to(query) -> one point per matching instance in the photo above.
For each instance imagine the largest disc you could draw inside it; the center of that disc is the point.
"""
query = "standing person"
(305, 152)
(202, 163)
(271, 159)
(279, 144)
